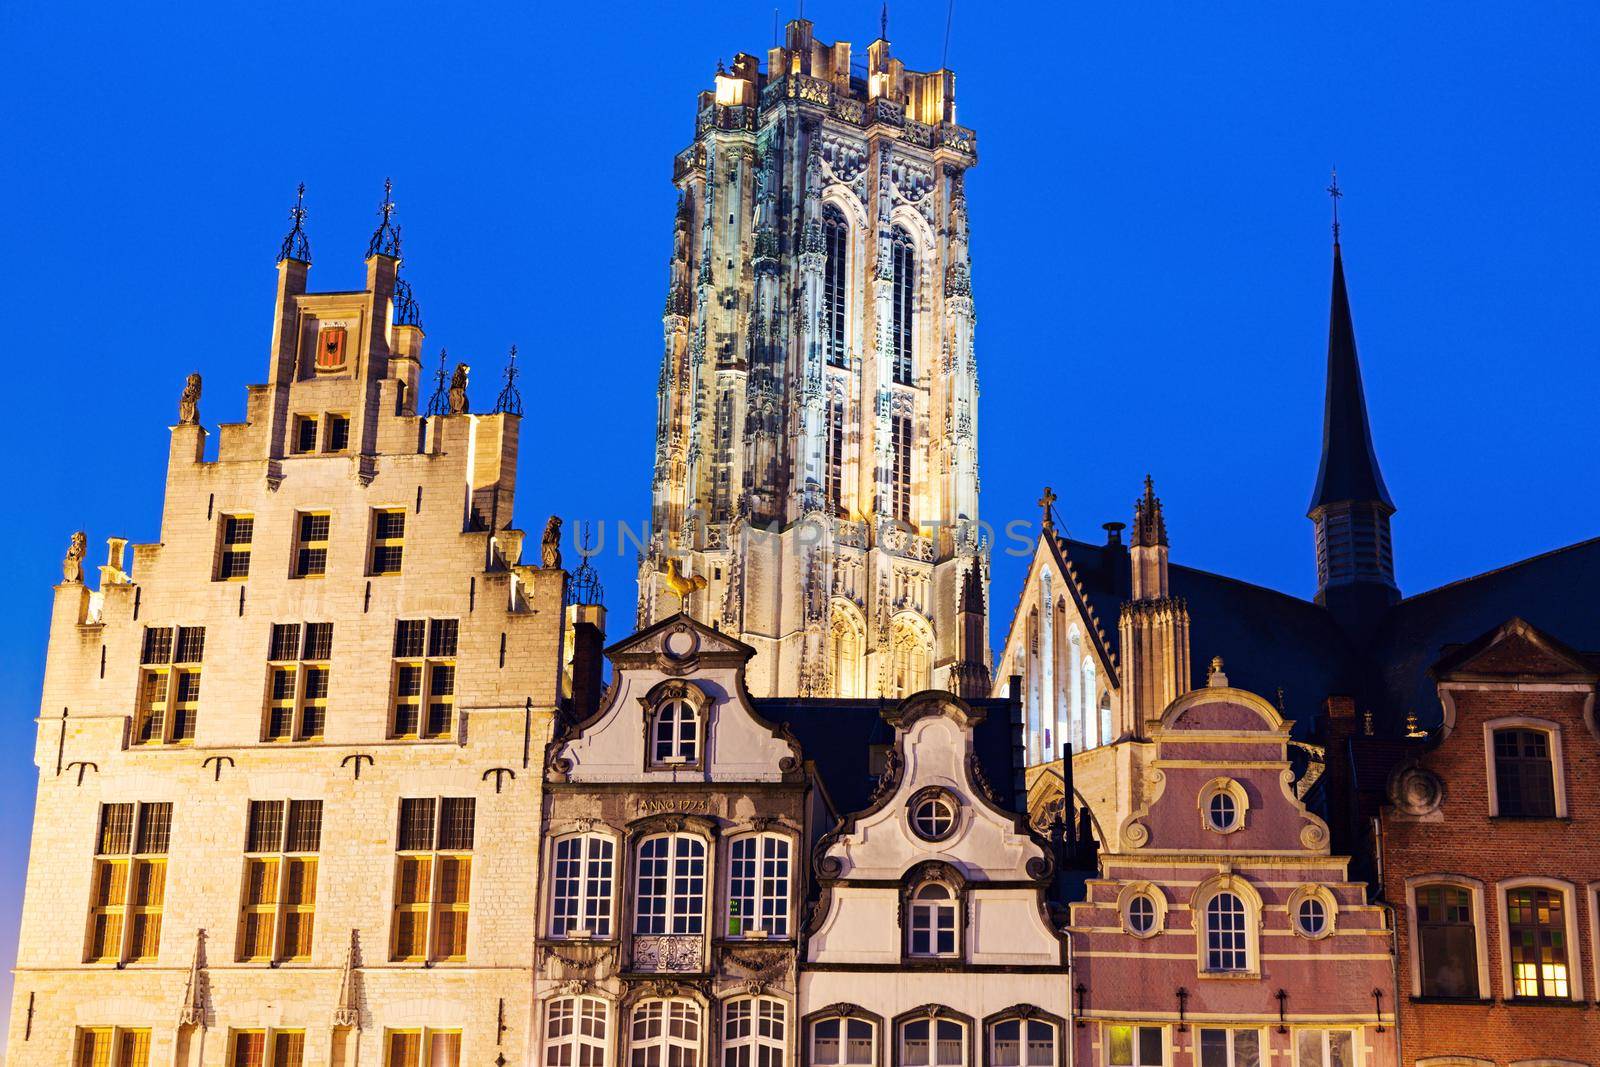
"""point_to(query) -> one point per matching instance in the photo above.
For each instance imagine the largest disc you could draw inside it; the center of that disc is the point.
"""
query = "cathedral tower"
(816, 482)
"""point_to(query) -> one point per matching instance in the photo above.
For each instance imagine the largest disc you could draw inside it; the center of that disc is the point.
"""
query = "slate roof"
(1349, 468)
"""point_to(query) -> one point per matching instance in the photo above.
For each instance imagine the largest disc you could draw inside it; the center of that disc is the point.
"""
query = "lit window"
(388, 540)
(672, 885)
(422, 1048)
(1324, 1048)
(933, 816)
(582, 880)
(305, 433)
(576, 1032)
(169, 685)
(1226, 941)
(433, 879)
(903, 259)
(758, 886)
(1448, 942)
(1135, 1046)
(1524, 782)
(233, 562)
(102, 1046)
(297, 681)
(835, 286)
(841, 1042)
(1311, 917)
(266, 1048)
(311, 543)
(676, 733)
(933, 1043)
(1230, 1048)
(1537, 924)
(424, 678)
(933, 921)
(833, 477)
(129, 887)
(754, 1033)
(665, 1033)
(338, 433)
(1141, 914)
(279, 904)
(1022, 1043)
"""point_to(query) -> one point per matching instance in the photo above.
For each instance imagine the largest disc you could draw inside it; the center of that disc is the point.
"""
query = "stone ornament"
(72, 565)
(550, 543)
(458, 390)
(189, 402)
(1416, 791)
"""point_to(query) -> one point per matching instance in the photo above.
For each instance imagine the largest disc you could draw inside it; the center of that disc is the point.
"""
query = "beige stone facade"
(185, 888)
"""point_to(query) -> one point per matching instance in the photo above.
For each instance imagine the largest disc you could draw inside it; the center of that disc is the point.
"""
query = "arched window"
(843, 1042)
(1523, 774)
(675, 734)
(835, 286)
(581, 884)
(1447, 941)
(665, 1033)
(1078, 712)
(933, 1043)
(900, 471)
(1086, 702)
(910, 650)
(903, 259)
(1106, 733)
(848, 651)
(576, 1032)
(1022, 1043)
(672, 885)
(1536, 926)
(935, 921)
(758, 886)
(1227, 945)
(753, 1033)
(833, 458)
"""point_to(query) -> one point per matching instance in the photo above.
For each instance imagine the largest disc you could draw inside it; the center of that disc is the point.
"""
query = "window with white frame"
(664, 1033)
(1222, 1047)
(1324, 1048)
(576, 1032)
(933, 814)
(753, 1033)
(1227, 943)
(671, 894)
(843, 1042)
(1141, 915)
(1134, 1046)
(933, 1043)
(934, 921)
(1447, 941)
(1536, 929)
(675, 734)
(1524, 774)
(758, 886)
(1022, 1043)
(581, 880)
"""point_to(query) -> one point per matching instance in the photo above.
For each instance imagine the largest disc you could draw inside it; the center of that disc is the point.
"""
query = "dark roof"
(1349, 469)
(837, 735)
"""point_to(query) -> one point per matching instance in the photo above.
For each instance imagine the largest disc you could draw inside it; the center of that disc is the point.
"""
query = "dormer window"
(675, 734)
(935, 920)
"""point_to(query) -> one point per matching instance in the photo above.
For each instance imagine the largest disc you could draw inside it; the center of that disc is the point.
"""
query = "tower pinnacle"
(386, 238)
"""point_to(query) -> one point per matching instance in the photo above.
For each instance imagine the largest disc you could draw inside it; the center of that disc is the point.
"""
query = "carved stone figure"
(458, 390)
(550, 544)
(189, 402)
(72, 566)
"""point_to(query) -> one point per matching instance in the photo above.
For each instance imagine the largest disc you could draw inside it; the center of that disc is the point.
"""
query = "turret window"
(903, 264)
(833, 462)
(835, 286)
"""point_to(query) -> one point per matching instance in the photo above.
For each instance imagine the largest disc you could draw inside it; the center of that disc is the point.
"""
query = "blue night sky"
(1150, 252)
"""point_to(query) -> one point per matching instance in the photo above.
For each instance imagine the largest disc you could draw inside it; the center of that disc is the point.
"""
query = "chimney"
(588, 639)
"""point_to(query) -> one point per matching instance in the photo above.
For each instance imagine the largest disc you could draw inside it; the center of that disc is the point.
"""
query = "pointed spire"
(1349, 469)
(972, 590)
(883, 22)
(1149, 524)
(509, 402)
(386, 238)
(295, 244)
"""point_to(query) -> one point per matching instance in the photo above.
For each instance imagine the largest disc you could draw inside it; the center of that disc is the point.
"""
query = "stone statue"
(189, 402)
(458, 390)
(550, 544)
(72, 566)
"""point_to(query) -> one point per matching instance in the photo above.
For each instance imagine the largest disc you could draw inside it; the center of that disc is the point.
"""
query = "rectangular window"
(424, 689)
(1447, 938)
(266, 1048)
(278, 904)
(1230, 1048)
(833, 478)
(338, 433)
(168, 699)
(1135, 1046)
(758, 886)
(111, 1046)
(900, 456)
(1324, 1048)
(233, 561)
(128, 891)
(422, 1048)
(305, 433)
(433, 878)
(388, 540)
(311, 543)
(903, 265)
(582, 875)
(1538, 942)
(1524, 779)
(297, 681)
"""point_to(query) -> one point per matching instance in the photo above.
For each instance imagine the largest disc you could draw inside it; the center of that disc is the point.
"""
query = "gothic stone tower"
(816, 477)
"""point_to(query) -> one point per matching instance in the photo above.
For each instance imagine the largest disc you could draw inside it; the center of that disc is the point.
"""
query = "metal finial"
(883, 22)
(509, 402)
(439, 402)
(584, 586)
(295, 244)
(406, 310)
(1336, 195)
(386, 239)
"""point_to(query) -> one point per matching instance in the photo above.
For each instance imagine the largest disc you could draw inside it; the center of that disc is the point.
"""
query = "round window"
(933, 816)
(1141, 914)
(1312, 917)
(1222, 811)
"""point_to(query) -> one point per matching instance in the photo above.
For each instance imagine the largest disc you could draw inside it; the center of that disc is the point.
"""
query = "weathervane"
(1335, 195)
(295, 244)
(386, 239)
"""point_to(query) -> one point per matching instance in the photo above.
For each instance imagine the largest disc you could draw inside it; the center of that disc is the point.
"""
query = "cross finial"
(1335, 195)
(386, 238)
(295, 244)
(1046, 503)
